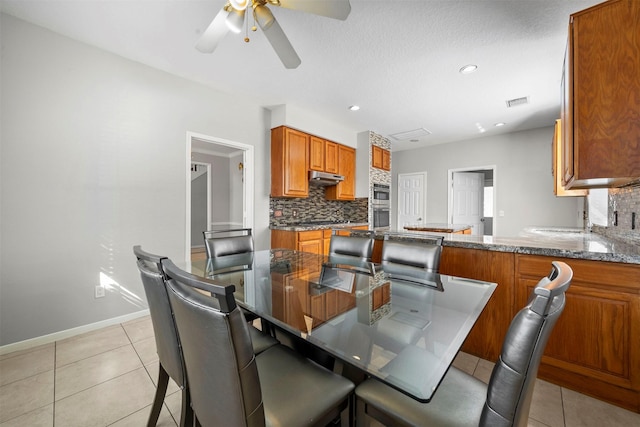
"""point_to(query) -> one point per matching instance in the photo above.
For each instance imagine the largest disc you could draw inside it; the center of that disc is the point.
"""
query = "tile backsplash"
(316, 208)
(625, 201)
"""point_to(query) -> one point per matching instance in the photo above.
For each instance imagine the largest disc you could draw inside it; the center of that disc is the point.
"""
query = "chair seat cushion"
(296, 391)
(458, 402)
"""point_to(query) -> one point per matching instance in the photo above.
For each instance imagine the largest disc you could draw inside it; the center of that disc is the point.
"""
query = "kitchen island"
(440, 228)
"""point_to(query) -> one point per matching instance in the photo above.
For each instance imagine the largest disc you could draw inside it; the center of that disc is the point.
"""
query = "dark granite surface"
(437, 227)
(310, 226)
(547, 241)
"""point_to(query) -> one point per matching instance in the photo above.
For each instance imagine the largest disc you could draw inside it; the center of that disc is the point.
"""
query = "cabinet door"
(376, 157)
(330, 157)
(345, 190)
(289, 162)
(310, 241)
(317, 154)
(556, 148)
(386, 160)
(604, 53)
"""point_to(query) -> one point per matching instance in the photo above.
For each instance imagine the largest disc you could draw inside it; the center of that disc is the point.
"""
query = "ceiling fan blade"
(214, 33)
(336, 9)
(281, 45)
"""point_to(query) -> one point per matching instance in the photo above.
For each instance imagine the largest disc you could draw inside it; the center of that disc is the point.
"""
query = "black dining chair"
(423, 253)
(221, 243)
(357, 244)
(171, 363)
(166, 337)
(462, 400)
(230, 385)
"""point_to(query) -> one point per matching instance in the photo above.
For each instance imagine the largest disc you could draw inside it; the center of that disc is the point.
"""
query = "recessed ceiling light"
(499, 124)
(354, 107)
(468, 69)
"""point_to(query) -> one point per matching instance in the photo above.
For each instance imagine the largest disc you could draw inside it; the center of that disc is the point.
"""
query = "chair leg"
(158, 400)
(186, 412)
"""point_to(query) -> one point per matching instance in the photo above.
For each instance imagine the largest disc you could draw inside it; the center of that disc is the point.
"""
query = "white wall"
(93, 162)
(524, 183)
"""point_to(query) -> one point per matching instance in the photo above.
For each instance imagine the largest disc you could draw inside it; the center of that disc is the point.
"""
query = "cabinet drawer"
(309, 235)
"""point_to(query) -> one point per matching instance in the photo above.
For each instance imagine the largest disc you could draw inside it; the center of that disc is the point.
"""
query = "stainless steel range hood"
(324, 179)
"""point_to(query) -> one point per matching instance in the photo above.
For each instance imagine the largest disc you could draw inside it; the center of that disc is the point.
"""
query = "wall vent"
(410, 134)
(517, 101)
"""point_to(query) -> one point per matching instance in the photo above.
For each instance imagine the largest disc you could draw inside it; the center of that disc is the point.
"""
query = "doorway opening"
(472, 198)
(229, 193)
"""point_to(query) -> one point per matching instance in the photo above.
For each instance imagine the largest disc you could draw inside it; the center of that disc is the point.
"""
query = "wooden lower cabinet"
(314, 241)
(485, 339)
(595, 346)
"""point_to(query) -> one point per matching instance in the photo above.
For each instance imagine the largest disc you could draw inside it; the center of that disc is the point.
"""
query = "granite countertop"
(311, 226)
(437, 227)
(564, 242)
(547, 241)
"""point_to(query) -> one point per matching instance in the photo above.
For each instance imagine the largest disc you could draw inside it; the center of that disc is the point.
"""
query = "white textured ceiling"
(398, 60)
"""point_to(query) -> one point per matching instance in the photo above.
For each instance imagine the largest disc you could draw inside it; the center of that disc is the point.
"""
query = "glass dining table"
(400, 325)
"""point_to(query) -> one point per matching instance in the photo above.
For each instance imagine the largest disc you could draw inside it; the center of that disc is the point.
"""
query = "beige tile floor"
(107, 378)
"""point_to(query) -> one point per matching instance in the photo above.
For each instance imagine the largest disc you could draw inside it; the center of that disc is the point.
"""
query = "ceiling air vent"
(517, 101)
(410, 134)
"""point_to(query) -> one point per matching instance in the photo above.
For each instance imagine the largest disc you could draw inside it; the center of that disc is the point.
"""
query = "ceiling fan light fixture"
(239, 4)
(263, 16)
(235, 20)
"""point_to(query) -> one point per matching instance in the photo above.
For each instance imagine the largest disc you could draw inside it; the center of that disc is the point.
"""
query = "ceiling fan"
(232, 17)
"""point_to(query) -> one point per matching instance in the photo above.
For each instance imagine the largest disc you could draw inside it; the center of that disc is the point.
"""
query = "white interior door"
(468, 200)
(412, 199)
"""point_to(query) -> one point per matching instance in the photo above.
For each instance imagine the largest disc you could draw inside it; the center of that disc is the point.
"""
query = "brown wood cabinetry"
(289, 163)
(315, 241)
(594, 347)
(380, 158)
(556, 165)
(600, 106)
(323, 155)
(486, 337)
(306, 241)
(345, 190)
(386, 160)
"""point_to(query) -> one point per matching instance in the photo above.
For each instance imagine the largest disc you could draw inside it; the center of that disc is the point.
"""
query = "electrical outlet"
(99, 291)
(294, 213)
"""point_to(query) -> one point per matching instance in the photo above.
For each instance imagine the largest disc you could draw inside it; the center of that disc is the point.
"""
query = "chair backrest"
(220, 243)
(357, 244)
(424, 254)
(511, 385)
(164, 328)
(219, 358)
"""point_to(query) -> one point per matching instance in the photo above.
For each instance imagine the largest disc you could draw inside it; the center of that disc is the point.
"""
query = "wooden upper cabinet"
(386, 159)
(556, 165)
(380, 158)
(289, 163)
(317, 154)
(330, 157)
(376, 157)
(323, 155)
(601, 104)
(345, 190)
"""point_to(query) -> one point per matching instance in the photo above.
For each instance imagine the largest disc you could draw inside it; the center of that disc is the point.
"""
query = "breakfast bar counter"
(440, 228)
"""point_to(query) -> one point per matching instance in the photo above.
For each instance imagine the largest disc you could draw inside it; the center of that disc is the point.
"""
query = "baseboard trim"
(57, 336)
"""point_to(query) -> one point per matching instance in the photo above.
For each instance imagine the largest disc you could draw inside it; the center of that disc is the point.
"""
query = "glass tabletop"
(401, 325)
